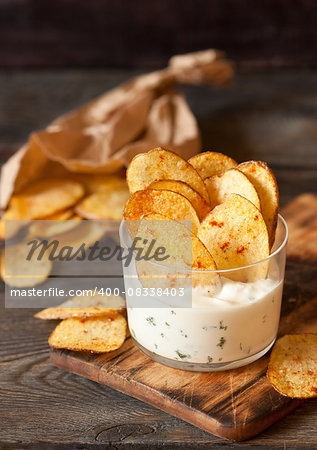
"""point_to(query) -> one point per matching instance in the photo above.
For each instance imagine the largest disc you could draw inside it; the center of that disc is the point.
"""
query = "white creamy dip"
(236, 322)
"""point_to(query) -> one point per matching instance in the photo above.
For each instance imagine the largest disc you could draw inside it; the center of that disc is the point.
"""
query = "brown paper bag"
(107, 133)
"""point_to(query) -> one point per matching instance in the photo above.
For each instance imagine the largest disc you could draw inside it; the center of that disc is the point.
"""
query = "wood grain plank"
(241, 402)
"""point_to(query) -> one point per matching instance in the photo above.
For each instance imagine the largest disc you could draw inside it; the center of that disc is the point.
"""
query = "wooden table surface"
(269, 116)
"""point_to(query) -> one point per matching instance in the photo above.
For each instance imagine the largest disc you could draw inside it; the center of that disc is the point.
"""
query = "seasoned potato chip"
(201, 206)
(51, 228)
(83, 306)
(231, 182)
(236, 235)
(104, 204)
(161, 164)
(186, 252)
(170, 204)
(94, 334)
(209, 164)
(45, 198)
(17, 271)
(198, 257)
(263, 179)
(293, 365)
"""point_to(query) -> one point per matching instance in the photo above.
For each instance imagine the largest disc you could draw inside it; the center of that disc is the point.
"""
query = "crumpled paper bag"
(107, 133)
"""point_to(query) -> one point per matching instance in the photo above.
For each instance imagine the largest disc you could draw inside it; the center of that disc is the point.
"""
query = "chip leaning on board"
(225, 202)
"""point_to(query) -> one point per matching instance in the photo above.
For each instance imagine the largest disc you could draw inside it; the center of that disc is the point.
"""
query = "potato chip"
(17, 271)
(15, 225)
(83, 307)
(95, 183)
(95, 301)
(94, 334)
(87, 232)
(209, 164)
(161, 164)
(201, 206)
(61, 215)
(235, 234)
(231, 182)
(293, 365)
(198, 257)
(263, 179)
(186, 252)
(45, 198)
(44, 228)
(74, 241)
(172, 205)
(104, 204)
(10, 222)
(10, 225)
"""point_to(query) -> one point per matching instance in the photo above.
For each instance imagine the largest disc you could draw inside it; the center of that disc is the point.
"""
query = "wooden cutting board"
(236, 404)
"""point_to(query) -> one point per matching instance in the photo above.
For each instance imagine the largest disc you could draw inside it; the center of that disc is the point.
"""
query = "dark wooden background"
(145, 33)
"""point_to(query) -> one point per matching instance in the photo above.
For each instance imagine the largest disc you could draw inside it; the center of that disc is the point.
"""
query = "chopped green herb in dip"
(182, 355)
(221, 342)
(222, 326)
(151, 321)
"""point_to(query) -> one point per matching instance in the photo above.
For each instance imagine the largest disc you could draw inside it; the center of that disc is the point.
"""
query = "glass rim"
(224, 271)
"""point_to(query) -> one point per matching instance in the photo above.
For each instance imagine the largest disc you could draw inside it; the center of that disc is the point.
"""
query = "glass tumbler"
(205, 320)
